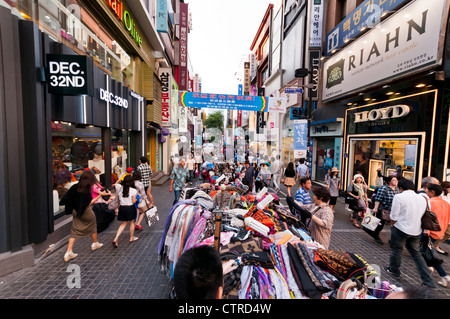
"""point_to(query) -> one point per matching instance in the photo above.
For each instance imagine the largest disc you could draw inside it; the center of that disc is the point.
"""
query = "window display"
(120, 146)
(388, 157)
(324, 157)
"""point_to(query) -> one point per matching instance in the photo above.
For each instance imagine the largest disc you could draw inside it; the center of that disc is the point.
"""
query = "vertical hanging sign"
(183, 51)
(300, 138)
(161, 16)
(165, 76)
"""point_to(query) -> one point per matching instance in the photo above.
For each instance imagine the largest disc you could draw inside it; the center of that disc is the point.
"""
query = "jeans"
(177, 193)
(400, 239)
(439, 268)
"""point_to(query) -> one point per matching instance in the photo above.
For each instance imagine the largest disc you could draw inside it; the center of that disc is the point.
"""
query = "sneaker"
(379, 241)
(69, 255)
(389, 271)
(96, 246)
(139, 227)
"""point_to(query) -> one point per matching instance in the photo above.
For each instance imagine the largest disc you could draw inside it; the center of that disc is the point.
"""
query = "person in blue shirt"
(302, 194)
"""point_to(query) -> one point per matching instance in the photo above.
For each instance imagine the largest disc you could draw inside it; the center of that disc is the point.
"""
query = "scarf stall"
(265, 248)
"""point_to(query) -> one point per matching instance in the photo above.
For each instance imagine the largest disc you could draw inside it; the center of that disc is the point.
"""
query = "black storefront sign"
(69, 74)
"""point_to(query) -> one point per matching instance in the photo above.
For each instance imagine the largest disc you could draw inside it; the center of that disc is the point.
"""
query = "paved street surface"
(132, 270)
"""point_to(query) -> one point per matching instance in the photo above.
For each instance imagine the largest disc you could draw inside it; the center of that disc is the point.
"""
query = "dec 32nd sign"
(69, 74)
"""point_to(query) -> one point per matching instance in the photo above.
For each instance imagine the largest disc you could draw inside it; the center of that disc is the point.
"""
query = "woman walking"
(358, 194)
(289, 177)
(334, 184)
(127, 211)
(78, 201)
(144, 203)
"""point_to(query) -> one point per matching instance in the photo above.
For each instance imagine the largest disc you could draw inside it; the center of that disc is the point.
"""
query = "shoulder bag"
(429, 219)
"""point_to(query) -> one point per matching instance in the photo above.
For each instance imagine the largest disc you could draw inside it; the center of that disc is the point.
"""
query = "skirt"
(85, 225)
(127, 213)
(289, 181)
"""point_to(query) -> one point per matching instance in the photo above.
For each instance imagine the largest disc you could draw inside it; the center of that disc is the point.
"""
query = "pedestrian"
(442, 210)
(445, 196)
(322, 216)
(78, 201)
(198, 274)
(128, 173)
(333, 185)
(407, 210)
(127, 210)
(359, 202)
(425, 182)
(289, 177)
(146, 177)
(190, 164)
(178, 179)
(302, 170)
(383, 204)
(278, 169)
(198, 162)
(143, 202)
(263, 178)
(302, 195)
(249, 176)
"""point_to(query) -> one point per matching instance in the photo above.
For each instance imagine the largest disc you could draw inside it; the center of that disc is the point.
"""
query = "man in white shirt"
(278, 170)
(190, 163)
(407, 210)
(302, 170)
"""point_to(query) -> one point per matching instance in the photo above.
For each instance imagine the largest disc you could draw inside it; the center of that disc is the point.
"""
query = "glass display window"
(325, 157)
(120, 161)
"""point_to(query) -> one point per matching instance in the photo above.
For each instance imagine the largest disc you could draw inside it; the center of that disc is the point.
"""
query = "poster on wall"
(406, 42)
(300, 138)
(410, 154)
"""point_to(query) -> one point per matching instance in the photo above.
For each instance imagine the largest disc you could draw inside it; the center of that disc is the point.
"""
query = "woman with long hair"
(78, 201)
(289, 177)
(127, 211)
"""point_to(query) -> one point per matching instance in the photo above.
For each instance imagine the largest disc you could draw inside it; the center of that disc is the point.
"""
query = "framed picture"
(374, 167)
(391, 171)
(408, 175)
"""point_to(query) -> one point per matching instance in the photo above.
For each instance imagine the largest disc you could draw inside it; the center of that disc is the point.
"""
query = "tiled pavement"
(132, 270)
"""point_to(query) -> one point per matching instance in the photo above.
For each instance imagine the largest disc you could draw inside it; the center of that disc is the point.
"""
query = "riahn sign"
(125, 16)
(407, 42)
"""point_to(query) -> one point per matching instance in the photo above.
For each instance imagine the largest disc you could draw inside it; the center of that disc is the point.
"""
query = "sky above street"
(223, 32)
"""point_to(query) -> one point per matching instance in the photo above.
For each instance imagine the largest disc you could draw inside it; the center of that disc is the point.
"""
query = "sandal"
(133, 239)
(356, 225)
(115, 244)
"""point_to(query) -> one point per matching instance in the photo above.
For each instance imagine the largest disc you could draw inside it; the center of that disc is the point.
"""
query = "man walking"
(407, 210)
(249, 176)
(178, 179)
(277, 173)
(146, 177)
(302, 170)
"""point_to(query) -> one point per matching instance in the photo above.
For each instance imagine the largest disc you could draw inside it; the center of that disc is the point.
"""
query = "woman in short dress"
(127, 210)
(289, 177)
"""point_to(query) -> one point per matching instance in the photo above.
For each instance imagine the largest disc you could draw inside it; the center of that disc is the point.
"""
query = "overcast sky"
(222, 32)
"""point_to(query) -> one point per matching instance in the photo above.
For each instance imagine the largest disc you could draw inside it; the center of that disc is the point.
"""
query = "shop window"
(120, 141)
(325, 157)
(75, 149)
(384, 157)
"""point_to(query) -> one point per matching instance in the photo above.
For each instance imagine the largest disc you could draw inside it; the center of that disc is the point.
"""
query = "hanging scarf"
(360, 189)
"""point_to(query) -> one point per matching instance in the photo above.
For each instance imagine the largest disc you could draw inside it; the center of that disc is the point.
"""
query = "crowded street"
(239, 150)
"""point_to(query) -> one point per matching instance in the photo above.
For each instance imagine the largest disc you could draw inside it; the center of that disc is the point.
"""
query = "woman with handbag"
(127, 195)
(78, 201)
(144, 202)
(289, 177)
(357, 198)
(383, 203)
(442, 210)
(334, 184)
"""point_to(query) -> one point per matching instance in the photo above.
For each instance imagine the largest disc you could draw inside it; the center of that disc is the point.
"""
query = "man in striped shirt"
(146, 174)
(302, 195)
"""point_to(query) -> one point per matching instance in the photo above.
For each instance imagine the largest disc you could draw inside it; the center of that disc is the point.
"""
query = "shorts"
(333, 201)
(142, 204)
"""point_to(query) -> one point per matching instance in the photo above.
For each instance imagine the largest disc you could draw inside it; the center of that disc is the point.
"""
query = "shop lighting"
(367, 99)
(390, 93)
(421, 85)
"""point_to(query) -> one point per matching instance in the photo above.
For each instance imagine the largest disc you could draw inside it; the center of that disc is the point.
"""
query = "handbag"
(114, 204)
(429, 220)
(386, 215)
(370, 221)
(429, 252)
(361, 204)
(152, 215)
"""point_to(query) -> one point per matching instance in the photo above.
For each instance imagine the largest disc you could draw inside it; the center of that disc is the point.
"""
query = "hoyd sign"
(69, 74)
(390, 112)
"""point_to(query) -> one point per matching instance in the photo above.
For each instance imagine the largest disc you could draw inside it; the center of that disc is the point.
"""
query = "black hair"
(137, 175)
(87, 180)
(198, 274)
(322, 193)
(389, 178)
(144, 159)
(419, 292)
(128, 182)
(437, 189)
(302, 160)
(406, 184)
(304, 180)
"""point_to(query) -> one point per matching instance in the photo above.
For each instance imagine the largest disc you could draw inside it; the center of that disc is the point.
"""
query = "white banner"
(277, 105)
(406, 42)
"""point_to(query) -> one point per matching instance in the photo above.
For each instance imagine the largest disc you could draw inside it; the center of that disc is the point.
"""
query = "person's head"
(413, 292)
(406, 185)
(445, 187)
(321, 195)
(130, 170)
(302, 161)
(392, 181)
(334, 171)
(290, 166)
(433, 190)
(358, 179)
(143, 160)
(127, 183)
(137, 175)
(182, 162)
(305, 182)
(198, 274)
(429, 180)
(87, 180)
(247, 163)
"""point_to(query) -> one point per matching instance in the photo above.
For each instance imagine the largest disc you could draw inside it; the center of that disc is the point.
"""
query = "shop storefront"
(392, 81)
(327, 147)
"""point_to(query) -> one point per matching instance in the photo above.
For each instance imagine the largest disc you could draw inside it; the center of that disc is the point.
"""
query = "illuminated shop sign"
(125, 16)
(386, 113)
(113, 99)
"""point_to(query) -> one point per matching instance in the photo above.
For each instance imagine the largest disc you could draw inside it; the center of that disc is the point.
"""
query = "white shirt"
(127, 201)
(407, 211)
(302, 170)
